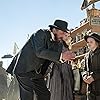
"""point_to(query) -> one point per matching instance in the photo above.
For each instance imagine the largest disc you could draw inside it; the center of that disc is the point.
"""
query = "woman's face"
(91, 43)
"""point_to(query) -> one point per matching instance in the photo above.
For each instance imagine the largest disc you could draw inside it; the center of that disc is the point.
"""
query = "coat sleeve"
(41, 49)
(96, 66)
(96, 75)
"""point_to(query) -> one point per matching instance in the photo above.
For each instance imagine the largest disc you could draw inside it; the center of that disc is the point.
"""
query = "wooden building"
(87, 25)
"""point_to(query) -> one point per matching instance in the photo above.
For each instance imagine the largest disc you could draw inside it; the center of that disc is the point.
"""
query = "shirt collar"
(52, 36)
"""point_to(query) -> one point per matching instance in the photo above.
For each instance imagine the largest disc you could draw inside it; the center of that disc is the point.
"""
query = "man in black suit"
(30, 63)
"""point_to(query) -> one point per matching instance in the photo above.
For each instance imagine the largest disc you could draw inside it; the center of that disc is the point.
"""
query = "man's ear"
(54, 30)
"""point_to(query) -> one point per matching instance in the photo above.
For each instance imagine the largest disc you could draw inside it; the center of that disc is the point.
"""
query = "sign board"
(95, 21)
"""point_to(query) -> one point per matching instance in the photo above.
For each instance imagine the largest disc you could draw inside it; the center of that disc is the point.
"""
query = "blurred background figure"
(3, 82)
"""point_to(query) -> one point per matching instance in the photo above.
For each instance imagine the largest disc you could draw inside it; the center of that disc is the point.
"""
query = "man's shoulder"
(42, 32)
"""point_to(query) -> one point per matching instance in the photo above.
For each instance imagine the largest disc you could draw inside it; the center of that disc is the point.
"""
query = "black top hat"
(95, 36)
(60, 24)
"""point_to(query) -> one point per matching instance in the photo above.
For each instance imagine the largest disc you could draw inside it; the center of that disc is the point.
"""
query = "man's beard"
(56, 38)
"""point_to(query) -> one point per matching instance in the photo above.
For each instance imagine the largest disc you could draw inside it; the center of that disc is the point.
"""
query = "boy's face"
(91, 43)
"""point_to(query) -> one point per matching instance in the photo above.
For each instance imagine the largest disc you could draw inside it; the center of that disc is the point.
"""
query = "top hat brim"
(54, 26)
(87, 36)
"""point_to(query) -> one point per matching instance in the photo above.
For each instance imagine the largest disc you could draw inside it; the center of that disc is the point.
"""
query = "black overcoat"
(94, 66)
(38, 50)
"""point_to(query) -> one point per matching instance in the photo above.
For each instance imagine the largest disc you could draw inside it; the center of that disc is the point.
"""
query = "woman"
(61, 83)
(91, 76)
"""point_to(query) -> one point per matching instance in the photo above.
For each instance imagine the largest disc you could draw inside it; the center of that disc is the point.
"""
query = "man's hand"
(68, 56)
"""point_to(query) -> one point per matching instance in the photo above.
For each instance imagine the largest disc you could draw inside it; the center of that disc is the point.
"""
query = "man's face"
(60, 35)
